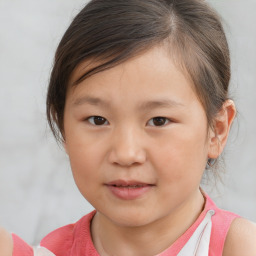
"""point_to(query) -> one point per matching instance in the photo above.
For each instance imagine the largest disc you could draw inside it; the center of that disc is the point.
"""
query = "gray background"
(37, 193)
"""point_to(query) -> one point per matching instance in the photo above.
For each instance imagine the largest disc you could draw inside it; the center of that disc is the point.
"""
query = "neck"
(112, 239)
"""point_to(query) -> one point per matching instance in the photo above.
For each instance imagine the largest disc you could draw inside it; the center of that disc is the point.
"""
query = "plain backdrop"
(37, 192)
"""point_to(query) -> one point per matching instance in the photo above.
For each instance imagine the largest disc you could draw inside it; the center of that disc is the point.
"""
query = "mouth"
(128, 184)
(129, 190)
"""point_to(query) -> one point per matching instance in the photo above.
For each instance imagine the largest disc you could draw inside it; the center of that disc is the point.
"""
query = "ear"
(219, 134)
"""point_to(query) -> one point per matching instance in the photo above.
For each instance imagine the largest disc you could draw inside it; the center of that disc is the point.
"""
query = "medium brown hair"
(110, 32)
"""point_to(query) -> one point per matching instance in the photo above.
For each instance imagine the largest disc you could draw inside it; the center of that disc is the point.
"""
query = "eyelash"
(100, 119)
(158, 118)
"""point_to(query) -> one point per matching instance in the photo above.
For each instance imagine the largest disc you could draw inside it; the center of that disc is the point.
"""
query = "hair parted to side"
(110, 32)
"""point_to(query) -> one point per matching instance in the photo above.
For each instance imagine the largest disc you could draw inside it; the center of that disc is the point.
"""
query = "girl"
(138, 97)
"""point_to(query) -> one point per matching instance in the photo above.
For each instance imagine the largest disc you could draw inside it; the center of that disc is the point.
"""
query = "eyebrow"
(161, 103)
(91, 100)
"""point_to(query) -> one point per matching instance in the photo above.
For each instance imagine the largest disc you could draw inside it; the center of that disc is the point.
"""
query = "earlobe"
(222, 124)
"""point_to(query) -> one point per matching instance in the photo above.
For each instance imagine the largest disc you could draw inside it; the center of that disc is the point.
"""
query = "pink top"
(75, 239)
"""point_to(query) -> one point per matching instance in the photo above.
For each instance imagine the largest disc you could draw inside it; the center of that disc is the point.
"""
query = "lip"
(129, 189)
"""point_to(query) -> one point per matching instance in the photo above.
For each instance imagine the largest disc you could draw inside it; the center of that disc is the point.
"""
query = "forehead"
(165, 50)
(152, 72)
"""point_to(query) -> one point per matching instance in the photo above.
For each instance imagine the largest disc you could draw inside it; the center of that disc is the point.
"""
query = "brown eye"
(158, 121)
(97, 120)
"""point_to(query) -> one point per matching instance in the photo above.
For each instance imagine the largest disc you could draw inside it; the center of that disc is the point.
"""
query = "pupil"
(98, 120)
(158, 121)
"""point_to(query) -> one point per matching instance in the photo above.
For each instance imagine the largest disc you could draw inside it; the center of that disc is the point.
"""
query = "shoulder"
(6, 244)
(59, 240)
(63, 239)
(241, 238)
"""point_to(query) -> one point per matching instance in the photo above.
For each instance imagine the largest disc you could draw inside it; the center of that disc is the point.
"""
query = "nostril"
(127, 158)
(126, 147)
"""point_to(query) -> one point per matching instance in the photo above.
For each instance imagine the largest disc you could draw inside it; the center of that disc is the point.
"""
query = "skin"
(5, 243)
(128, 145)
(241, 239)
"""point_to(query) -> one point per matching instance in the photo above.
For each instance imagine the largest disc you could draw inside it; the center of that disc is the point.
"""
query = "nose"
(127, 148)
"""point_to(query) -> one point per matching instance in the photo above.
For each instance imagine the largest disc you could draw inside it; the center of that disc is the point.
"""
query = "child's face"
(158, 162)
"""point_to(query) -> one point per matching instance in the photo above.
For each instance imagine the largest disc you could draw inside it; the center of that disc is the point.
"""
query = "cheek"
(82, 148)
(182, 158)
(84, 159)
(85, 170)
